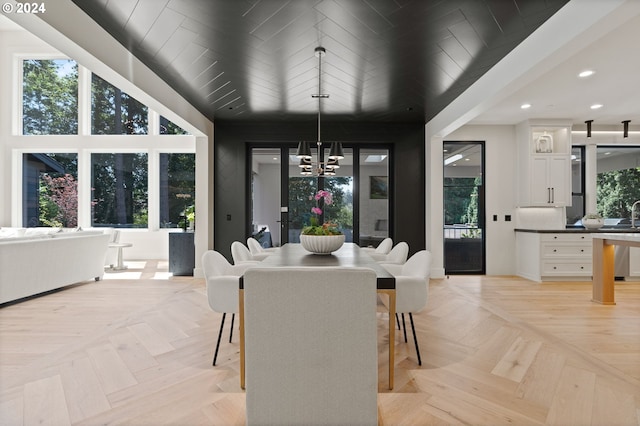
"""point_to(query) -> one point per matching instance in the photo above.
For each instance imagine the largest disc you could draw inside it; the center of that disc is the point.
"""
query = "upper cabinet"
(544, 163)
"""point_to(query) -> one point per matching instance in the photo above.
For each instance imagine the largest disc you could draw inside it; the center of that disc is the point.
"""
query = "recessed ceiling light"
(596, 106)
(607, 153)
(525, 106)
(586, 73)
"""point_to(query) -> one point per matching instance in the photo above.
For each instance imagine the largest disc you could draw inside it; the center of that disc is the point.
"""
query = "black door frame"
(284, 148)
(481, 213)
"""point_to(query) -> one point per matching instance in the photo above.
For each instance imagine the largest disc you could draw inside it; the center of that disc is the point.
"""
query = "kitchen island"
(603, 263)
(566, 254)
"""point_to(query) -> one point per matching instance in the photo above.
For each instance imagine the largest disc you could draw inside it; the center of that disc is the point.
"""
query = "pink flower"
(328, 198)
(316, 210)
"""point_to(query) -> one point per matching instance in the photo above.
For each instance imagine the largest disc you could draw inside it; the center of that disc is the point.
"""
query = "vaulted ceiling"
(387, 60)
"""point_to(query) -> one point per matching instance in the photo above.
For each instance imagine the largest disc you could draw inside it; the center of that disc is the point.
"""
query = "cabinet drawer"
(572, 250)
(550, 268)
(566, 237)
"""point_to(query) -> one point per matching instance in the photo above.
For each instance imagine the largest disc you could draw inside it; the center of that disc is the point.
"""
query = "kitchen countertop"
(633, 237)
(582, 231)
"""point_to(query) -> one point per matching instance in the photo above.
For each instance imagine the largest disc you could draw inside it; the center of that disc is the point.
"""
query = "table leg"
(241, 325)
(603, 272)
(392, 333)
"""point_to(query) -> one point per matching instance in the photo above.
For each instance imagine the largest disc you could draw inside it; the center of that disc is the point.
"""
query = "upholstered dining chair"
(412, 289)
(222, 279)
(397, 255)
(241, 254)
(310, 346)
(256, 249)
(380, 252)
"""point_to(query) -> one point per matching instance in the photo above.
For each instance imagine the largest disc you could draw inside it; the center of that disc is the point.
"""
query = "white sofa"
(35, 262)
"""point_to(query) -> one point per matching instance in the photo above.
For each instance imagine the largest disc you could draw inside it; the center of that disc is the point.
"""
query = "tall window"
(168, 127)
(50, 189)
(177, 190)
(113, 112)
(49, 97)
(618, 182)
(575, 211)
(119, 185)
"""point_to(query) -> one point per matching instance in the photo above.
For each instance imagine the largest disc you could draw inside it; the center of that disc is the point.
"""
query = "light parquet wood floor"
(136, 349)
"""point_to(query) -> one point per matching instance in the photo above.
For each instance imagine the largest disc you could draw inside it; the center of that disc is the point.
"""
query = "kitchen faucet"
(633, 218)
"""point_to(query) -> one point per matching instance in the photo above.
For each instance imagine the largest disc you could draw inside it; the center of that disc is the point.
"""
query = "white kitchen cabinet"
(634, 264)
(554, 256)
(550, 183)
(544, 160)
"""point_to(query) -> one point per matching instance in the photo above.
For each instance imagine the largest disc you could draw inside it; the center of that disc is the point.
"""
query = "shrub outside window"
(50, 189)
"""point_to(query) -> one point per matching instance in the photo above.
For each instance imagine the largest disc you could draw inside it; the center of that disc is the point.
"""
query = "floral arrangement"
(327, 228)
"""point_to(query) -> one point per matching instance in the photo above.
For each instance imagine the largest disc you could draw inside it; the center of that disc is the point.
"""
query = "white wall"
(500, 187)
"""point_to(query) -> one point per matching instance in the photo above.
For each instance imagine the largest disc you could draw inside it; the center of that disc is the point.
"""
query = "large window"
(50, 189)
(618, 183)
(76, 180)
(119, 185)
(177, 190)
(49, 97)
(113, 112)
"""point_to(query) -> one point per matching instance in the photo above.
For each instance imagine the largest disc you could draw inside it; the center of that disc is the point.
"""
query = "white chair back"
(222, 283)
(311, 346)
(385, 246)
(254, 246)
(240, 253)
(398, 254)
(412, 285)
(418, 265)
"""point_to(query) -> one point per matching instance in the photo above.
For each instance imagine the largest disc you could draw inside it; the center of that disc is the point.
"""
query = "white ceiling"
(561, 94)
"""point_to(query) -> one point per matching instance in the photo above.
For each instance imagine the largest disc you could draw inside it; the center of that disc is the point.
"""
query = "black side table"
(182, 253)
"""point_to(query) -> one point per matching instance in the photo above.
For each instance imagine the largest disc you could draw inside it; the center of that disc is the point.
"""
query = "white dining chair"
(222, 280)
(412, 289)
(241, 254)
(397, 255)
(380, 252)
(256, 249)
(311, 346)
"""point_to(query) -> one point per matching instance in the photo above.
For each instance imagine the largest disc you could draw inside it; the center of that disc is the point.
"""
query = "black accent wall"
(230, 158)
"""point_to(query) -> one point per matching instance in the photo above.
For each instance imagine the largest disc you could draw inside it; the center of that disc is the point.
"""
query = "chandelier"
(319, 167)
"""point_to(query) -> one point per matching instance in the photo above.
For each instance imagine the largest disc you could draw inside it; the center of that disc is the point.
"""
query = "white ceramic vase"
(592, 223)
(321, 244)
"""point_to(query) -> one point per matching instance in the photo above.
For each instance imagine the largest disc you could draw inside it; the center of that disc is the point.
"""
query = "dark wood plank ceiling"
(387, 60)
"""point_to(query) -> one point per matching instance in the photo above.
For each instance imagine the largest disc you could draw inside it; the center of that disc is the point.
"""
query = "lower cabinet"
(554, 256)
(634, 264)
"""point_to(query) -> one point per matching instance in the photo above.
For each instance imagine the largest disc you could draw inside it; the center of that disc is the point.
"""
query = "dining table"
(349, 255)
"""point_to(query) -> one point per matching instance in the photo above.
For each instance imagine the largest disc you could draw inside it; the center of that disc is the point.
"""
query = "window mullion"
(84, 101)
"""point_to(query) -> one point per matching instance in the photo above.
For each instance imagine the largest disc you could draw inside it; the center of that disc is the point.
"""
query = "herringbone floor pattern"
(136, 349)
